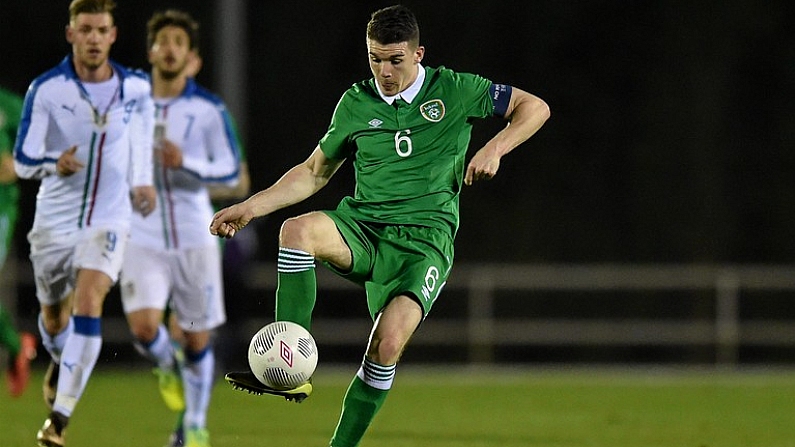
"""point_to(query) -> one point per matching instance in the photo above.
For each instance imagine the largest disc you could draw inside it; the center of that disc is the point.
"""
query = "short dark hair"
(172, 17)
(393, 24)
(90, 7)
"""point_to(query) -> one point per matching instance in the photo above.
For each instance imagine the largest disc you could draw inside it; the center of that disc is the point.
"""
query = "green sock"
(359, 407)
(297, 287)
(8, 334)
(180, 420)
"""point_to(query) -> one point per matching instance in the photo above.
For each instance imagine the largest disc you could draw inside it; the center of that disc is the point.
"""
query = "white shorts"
(57, 258)
(192, 278)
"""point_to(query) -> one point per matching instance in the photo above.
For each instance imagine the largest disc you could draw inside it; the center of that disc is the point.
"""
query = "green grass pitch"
(449, 407)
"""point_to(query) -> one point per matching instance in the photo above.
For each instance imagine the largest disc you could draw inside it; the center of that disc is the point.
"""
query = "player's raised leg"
(295, 299)
(301, 240)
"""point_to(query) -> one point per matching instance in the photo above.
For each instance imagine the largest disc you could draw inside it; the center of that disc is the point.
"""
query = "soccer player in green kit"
(21, 346)
(407, 130)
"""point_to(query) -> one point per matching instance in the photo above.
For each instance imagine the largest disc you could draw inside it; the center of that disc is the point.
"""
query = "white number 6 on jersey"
(403, 139)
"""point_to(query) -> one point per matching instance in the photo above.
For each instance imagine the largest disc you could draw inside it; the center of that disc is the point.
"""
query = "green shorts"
(392, 260)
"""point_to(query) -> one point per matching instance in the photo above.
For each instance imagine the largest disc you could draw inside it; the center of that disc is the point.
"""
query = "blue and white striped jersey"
(199, 124)
(114, 142)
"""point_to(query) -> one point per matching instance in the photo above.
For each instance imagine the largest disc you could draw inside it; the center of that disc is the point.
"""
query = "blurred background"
(651, 220)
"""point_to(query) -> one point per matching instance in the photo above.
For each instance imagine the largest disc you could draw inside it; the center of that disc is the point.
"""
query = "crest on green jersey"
(433, 110)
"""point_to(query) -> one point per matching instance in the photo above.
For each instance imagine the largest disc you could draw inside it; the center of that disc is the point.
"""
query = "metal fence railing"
(481, 326)
(483, 284)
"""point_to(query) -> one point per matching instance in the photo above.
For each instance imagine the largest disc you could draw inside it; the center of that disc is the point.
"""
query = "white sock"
(78, 358)
(197, 379)
(377, 376)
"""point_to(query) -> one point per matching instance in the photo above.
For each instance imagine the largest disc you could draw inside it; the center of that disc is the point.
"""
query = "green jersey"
(408, 159)
(10, 114)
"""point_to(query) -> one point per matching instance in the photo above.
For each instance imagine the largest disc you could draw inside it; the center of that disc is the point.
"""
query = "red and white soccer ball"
(283, 355)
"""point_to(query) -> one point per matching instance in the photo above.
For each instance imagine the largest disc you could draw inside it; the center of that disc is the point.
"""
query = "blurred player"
(86, 133)
(407, 130)
(21, 347)
(219, 194)
(172, 256)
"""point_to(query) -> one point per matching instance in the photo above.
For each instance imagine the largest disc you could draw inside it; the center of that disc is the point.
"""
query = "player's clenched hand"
(483, 166)
(143, 199)
(228, 221)
(67, 163)
(170, 154)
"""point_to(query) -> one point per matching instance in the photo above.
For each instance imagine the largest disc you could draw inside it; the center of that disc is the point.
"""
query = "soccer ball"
(283, 355)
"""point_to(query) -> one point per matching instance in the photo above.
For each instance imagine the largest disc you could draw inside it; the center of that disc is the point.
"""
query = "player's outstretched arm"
(526, 113)
(299, 183)
(228, 221)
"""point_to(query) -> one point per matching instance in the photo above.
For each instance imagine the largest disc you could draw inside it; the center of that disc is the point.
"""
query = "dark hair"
(172, 17)
(90, 7)
(393, 24)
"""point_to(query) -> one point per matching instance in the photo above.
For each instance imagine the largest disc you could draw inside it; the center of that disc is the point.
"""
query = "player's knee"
(296, 233)
(143, 332)
(54, 322)
(197, 341)
(56, 318)
(386, 350)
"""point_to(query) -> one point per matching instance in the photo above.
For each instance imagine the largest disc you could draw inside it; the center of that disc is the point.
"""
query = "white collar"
(410, 93)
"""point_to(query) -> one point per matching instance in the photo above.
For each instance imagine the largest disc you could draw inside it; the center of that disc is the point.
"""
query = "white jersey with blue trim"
(199, 124)
(113, 140)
